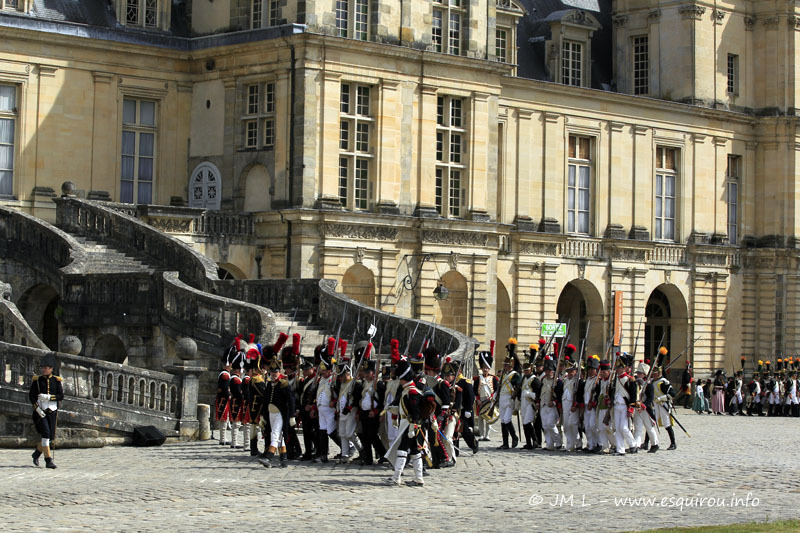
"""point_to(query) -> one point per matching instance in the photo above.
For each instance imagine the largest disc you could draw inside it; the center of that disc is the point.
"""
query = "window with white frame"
(571, 63)
(11, 4)
(264, 13)
(448, 19)
(734, 176)
(8, 128)
(139, 129)
(501, 44)
(733, 74)
(259, 115)
(641, 65)
(665, 189)
(451, 144)
(352, 19)
(355, 143)
(579, 184)
(141, 13)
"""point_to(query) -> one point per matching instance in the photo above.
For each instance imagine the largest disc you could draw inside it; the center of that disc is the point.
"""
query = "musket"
(292, 324)
(674, 419)
(652, 366)
(411, 337)
(679, 355)
(353, 344)
(339, 331)
(636, 340)
(427, 333)
(580, 357)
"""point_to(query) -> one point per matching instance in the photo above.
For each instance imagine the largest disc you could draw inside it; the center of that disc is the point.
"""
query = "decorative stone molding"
(717, 15)
(620, 20)
(616, 126)
(640, 130)
(455, 237)
(357, 231)
(171, 225)
(359, 258)
(692, 11)
(654, 16)
(552, 118)
(711, 259)
(794, 22)
(540, 248)
(771, 23)
(720, 141)
(749, 23)
(628, 254)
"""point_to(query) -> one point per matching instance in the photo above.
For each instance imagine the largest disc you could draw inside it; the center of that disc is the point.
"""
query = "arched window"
(205, 186)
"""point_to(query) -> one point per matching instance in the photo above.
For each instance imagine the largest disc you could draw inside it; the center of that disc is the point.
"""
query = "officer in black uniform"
(467, 415)
(307, 394)
(45, 394)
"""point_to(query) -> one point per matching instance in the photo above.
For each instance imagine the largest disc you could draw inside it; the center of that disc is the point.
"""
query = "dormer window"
(446, 31)
(11, 5)
(141, 13)
(570, 47)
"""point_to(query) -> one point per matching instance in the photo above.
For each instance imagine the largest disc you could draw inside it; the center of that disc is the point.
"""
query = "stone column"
(643, 178)
(553, 180)
(186, 350)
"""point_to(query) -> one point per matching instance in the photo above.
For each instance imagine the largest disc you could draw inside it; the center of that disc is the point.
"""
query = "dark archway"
(579, 304)
(666, 317)
(110, 348)
(40, 307)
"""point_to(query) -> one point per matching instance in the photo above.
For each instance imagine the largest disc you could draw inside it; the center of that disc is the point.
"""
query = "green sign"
(549, 327)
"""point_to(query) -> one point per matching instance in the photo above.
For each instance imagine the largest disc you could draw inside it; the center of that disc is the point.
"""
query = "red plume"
(542, 342)
(282, 337)
(237, 342)
(395, 350)
(296, 344)
(367, 351)
(491, 347)
(448, 359)
(331, 346)
(252, 338)
(342, 348)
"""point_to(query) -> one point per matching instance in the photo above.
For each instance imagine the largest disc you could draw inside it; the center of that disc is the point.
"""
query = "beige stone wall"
(209, 16)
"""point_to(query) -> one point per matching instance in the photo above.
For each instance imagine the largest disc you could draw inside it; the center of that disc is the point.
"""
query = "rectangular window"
(139, 130)
(451, 142)
(733, 74)
(8, 122)
(352, 19)
(361, 20)
(641, 65)
(579, 180)
(9, 4)
(259, 116)
(734, 175)
(571, 63)
(141, 13)
(256, 13)
(665, 197)
(274, 13)
(447, 22)
(342, 17)
(500, 44)
(355, 150)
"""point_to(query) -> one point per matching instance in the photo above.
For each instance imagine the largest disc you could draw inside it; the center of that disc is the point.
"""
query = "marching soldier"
(238, 407)
(45, 394)
(509, 382)
(792, 394)
(279, 407)
(529, 390)
(548, 405)
(486, 385)
(326, 403)
(290, 357)
(392, 395)
(369, 407)
(440, 390)
(467, 420)
(380, 391)
(408, 446)
(450, 417)
(256, 391)
(570, 405)
(584, 396)
(603, 402)
(644, 415)
(663, 404)
(626, 397)
(307, 392)
(754, 394)
(347, 408)
(222, 402)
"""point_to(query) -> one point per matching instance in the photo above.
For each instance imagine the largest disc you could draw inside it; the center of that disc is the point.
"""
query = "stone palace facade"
(533, 157)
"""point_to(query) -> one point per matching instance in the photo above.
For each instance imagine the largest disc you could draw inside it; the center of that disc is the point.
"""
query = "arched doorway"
(229, 271)
(39, 306)
(581, 306)
(256, 189)
(110, 348)
(358, 283)
(503, 317)
(205, 186)
(666, 317)
(454, 312)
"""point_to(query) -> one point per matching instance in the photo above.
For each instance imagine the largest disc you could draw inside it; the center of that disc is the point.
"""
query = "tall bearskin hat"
(549, 364)
(306, 363)
(238, 361)
(662, 354)
(780, 365)
(742, 360)
(290, 355)
(433, 360)
(760, 364)
(403, 369)
(486, 359)
(533, 351)
(274, 366)
(48, 360)
(766, 364)
(593, 362)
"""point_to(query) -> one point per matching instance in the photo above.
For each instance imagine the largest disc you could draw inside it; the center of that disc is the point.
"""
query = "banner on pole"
(617, 316)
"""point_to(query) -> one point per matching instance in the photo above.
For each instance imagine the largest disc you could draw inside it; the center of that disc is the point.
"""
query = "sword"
(674, 419)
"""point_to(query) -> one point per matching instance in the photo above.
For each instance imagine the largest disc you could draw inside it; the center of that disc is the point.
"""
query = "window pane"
(128, 143)
(439, 146)
(583, 199)
(659, 189)
(670, 184)
(658, 207)
(571, 198)
(145, 169)
(571, 176)
(583, 222)
(146, 144)
(658, 229)
(127, 167)
(344, 135)
(436, 36)
(455, 148)
(129, 111)
(8, 97)
(5, 182)
(343, 180)
(571, 221)
(6, 158)
(345, 99)
(455, 113)
(669, 204)
(148, 113)
(669, 229)
(126, 192)
(584, 152)
(584, 177)
(6, 130)
(145, 193)
(439, 185)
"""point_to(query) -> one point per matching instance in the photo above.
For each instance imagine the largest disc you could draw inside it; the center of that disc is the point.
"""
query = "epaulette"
(413, 390)
(58, 378)
(284, 383)
(257, 379)
(225, 375)
(35, 378)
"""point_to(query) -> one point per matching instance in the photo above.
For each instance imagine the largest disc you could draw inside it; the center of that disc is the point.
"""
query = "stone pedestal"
(204, 421)
(188, 426)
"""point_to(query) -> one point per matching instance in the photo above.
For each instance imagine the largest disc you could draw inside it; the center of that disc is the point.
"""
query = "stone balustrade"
(670, 254)
(25, 236)
(193, 221)
(279, 295)
(336, 308)
(13, 327)
(586, 248)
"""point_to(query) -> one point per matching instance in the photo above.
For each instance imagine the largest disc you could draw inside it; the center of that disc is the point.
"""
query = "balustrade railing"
(13, 327)
(279, 295)
(583, 248)
(224, 224)
(30, 238)
(668, 254)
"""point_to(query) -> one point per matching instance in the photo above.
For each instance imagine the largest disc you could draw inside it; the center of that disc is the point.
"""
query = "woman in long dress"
(718, 403)
(698, 404)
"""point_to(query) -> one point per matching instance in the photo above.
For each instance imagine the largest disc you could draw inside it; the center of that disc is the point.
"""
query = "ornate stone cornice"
(749, 23)
(358, 231)
(540, 248)
(620, 20)
(461, 238)
(771, 23)
(717, 15)
(692, 11)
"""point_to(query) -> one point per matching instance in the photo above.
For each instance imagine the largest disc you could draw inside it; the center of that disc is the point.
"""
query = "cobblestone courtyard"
(194, 486)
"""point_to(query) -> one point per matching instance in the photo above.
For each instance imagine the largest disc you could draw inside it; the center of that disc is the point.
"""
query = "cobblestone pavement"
(190, 486)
